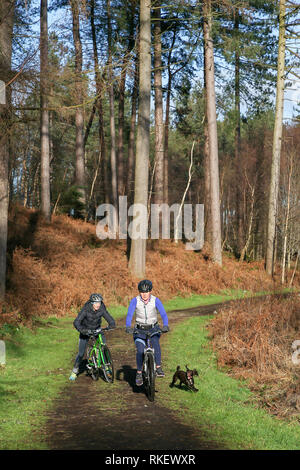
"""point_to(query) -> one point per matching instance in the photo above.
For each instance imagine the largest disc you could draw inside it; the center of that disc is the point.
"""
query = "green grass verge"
(37, 364)
(224, 407)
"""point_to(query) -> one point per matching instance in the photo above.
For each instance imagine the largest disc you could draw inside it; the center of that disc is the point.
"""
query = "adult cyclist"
(87, 321)
(145, 307)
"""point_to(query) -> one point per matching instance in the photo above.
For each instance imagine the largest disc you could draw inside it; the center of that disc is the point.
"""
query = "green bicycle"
(99, 359)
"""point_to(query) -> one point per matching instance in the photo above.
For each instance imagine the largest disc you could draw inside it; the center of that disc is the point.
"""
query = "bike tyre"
(149, 377)
(108, 367)
(95, 370)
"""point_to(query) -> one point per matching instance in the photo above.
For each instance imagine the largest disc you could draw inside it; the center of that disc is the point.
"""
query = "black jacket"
(90, 319)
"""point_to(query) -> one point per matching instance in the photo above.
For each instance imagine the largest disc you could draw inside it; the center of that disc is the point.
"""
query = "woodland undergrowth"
(253, 340)
(53, 268)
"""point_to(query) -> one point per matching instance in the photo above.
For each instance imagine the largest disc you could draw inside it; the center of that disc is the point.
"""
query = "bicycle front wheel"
(95, 369)
(108, 366)
(149, 376)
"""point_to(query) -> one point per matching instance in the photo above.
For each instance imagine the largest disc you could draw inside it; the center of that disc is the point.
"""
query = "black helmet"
(145, 286)
(96, 298)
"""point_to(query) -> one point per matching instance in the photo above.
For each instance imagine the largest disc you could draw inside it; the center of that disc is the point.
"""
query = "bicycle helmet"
(94, 298)
(145, 286)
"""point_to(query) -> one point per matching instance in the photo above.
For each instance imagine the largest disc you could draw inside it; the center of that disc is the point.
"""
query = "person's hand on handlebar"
(96, 332)
(165, 329)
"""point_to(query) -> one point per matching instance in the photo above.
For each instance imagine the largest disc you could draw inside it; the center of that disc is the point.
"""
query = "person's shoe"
(159, 372)
(139, 379)
(73, 376)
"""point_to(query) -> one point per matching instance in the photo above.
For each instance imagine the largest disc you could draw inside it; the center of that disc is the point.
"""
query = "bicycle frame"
(149, 349)
(97, 349)
(149, 369)
(99, 359)
(149, 365)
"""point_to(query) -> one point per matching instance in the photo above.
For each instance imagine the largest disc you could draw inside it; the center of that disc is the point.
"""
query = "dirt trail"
(94, 415)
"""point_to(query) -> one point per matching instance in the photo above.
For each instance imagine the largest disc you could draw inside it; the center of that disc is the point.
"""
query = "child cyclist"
(145, 307)
(88, 320)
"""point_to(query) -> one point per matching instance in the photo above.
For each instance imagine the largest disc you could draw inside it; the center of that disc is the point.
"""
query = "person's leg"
(140, 345)
(157, 355)
(157, 350)
(81, 350)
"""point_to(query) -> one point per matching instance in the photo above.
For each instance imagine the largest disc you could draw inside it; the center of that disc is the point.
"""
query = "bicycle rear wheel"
(93, 366)
(108, 366)
(149, 376)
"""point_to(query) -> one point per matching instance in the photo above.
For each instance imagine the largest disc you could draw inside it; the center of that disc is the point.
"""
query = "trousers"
(140, 346)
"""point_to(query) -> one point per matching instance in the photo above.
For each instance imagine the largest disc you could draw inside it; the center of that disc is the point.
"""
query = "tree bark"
(277, 138)
(159, 123)
(126, 59)
(237, 144)
(207, 202)
(113, 157)
(7, 8)
(99, 105)
(120, 140)
(131, 147)
(44, 129)
(212, 134)
(80, 178)
(167, 121)
(286, 223)
(137, 261)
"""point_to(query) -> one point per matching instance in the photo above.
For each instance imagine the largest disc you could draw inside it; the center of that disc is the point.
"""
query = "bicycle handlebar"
(133, 330)
(107, 328)
(99, 330)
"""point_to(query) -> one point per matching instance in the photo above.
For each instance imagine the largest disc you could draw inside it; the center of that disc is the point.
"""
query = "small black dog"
(186, 378)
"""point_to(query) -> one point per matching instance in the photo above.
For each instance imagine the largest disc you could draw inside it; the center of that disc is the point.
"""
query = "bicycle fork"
(147, 350)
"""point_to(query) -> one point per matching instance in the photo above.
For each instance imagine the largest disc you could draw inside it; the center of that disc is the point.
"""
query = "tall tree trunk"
(113, 157)
(126, 60)
(167, 121)
(277, 138)
(166, 143)
(207, 202)
(7, 8)
(99, 105)
(80, 178)
(131, 146)
(237, 144)
(36, 190)
(159, 123)
(120, 140)
(44, 129)
(287, 217)
(212, 134)
(137, 261)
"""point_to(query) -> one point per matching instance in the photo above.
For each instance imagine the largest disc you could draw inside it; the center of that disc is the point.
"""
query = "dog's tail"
(178, 367)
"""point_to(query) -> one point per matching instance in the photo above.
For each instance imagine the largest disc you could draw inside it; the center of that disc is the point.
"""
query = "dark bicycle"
(99, 359)
(149, 366)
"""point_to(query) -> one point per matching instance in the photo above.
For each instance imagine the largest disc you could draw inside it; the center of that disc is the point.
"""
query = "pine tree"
(137, 262)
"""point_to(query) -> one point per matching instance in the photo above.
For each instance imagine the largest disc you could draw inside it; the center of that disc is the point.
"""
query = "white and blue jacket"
(146, 313)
